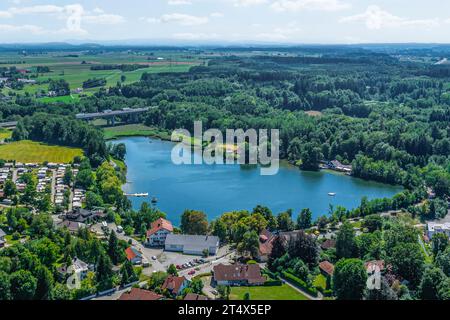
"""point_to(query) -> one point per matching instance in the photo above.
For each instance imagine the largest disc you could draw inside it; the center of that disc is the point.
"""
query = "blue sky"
(281, 21)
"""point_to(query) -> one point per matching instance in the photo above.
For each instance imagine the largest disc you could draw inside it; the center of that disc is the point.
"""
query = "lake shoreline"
(216, 189)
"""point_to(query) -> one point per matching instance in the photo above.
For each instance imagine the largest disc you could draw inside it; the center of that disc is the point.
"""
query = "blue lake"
(216, 189)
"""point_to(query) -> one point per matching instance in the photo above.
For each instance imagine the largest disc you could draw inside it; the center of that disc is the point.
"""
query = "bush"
(300, 283)
(273, 283)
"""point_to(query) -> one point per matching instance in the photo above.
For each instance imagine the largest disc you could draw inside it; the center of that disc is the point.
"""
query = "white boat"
(331, 194)
(139, 195)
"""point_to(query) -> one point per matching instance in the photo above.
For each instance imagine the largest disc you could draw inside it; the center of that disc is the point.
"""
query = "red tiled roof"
(239, 272)
(131, 253)
(328, 244)
(265, 242)
(140, 294)
(159, 225)
(173, 284)
(327, 267)
(194, 296)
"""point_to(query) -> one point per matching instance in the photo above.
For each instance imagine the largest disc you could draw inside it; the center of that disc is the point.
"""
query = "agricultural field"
(35, 152)
(75, 68)
(283, 292)
(130, 130)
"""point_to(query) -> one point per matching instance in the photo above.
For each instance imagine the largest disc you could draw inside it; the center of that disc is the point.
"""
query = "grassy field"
(130, 130)
(65, 99)
(283, 292)
(320, 281)
(36, 152)
(5, 134)
(77, 69)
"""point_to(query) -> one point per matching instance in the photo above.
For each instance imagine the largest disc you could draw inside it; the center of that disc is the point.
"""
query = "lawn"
(283, 292)
(5, 134)
(320, 281)
(131, 130)
(36, 152)
(64, 99)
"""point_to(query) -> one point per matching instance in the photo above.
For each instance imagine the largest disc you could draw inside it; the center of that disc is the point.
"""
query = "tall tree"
(345, 242)
(304, 219)
(194, 222)
(349, 279)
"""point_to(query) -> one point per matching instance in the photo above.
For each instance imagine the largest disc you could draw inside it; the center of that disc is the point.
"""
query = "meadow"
(283, 292)
(130, 130)
(76, 68)
(35, 152)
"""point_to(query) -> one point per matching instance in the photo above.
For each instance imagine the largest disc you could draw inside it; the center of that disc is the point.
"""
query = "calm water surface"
(215, 189)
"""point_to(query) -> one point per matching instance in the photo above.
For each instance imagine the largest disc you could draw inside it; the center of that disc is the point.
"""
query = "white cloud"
(178, 2)
(319, 5)
(105, 19)
(281, 33)
(195, 36)
(247, 3)
(39, 9)
(217, 15)
(375, 19)
(24, 28)
(181, 19)
(6, 14)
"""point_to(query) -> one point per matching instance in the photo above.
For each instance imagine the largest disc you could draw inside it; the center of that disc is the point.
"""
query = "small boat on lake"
(154, 200)
(332, 194)
(138, 195)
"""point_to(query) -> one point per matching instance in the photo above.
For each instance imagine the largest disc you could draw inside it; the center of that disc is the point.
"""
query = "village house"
(328, 244)
(133, 255)
(83, 215)
(72, 226)
(238, 275)
(78, 267)
(192, 244)
(326, 268)
(137, 294)
(266, 239)
(433, 228)
(157, 234)
(175, 285)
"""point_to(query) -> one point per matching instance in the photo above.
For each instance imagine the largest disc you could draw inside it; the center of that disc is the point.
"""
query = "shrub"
(300, 283)
(273, 283)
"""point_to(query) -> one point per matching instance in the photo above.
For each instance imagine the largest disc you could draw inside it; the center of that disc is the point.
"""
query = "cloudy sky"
(287, 21)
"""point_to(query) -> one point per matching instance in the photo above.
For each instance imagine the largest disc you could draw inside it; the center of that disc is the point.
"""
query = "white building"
(158, 232)
(192, 244)
(438, 228)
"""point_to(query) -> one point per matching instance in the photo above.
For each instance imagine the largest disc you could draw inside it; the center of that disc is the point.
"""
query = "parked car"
(192, 272)
(153, 257)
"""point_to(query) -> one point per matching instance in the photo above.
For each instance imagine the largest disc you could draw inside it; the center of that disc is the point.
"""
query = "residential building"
(192, 244)
(133, 255)
(266, 239)
(157, 234)
(434, 228)
(72, 226)
(78, 267)
(136, 294)
(374, 266)
(194, 297)
(327, 268)
(175, 285)
(328, 244)
(238, 275)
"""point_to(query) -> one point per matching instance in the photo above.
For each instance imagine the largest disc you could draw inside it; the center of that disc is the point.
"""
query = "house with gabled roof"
(157, 234)
(238, 275)
(137, 294)
(133, 255)
(175, 285)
